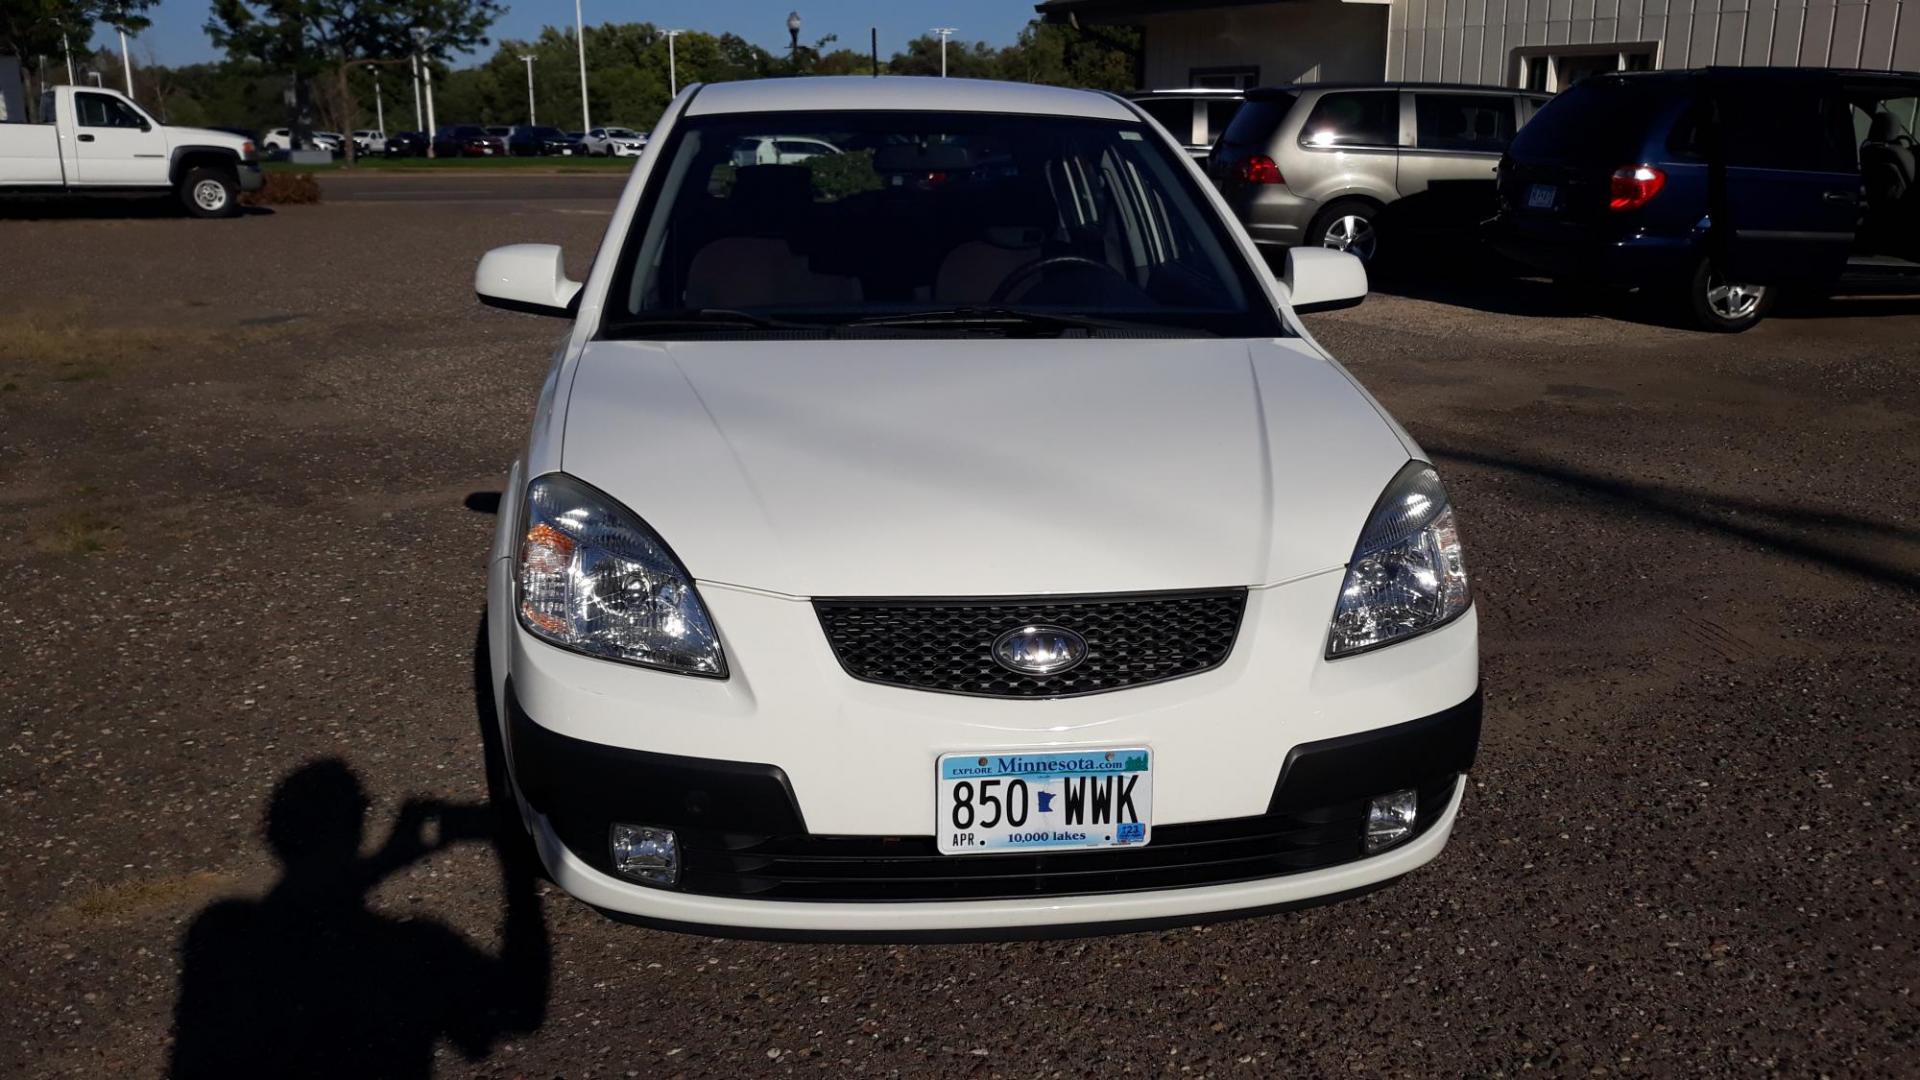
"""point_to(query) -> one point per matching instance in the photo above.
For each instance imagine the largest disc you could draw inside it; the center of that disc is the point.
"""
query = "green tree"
(46, 27)
(310, 38)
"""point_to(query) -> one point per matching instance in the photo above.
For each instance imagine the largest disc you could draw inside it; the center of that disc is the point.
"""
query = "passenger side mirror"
(526, 277)
(1321, 279)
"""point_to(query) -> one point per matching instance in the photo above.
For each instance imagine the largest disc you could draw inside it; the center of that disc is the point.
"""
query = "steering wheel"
(1041, 266)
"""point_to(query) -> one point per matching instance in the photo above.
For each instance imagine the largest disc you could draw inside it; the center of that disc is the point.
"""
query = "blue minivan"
(1718, 188)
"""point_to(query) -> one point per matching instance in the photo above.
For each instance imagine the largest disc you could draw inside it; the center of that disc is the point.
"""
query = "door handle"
(1838, 197)
(86, 138)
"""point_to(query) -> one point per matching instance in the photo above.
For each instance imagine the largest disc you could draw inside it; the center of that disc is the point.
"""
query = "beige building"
(1539, 44)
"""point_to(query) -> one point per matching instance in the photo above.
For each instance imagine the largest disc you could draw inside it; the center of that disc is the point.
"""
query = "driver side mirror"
(1321, 279)
(530, 278)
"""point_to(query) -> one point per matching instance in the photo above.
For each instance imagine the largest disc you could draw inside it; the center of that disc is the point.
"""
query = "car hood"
(971, 468)
(180, 136)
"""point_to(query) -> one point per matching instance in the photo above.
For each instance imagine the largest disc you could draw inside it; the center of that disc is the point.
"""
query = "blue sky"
(177, 36)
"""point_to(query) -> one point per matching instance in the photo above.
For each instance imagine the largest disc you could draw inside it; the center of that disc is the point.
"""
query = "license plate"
(991, 803)
(1540, 196)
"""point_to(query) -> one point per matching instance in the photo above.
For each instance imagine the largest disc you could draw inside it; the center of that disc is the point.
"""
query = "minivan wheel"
(1723, 305)
(1349, 225)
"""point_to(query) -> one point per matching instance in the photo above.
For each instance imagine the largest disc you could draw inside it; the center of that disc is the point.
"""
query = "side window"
(1174, 114)
(1482, 122)
(46, 108)
(1692, 135)
(1785, 127)
(1355, 118)
(101, 111)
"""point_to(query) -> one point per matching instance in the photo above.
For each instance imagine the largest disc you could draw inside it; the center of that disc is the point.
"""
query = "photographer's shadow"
(308, 981)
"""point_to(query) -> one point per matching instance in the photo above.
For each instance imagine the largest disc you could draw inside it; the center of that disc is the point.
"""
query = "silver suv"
(1361, 166)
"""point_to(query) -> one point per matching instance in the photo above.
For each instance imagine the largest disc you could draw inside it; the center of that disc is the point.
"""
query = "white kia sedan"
(959, 535)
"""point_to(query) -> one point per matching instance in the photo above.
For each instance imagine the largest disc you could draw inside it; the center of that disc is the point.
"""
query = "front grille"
(947, 645)
(872, 868)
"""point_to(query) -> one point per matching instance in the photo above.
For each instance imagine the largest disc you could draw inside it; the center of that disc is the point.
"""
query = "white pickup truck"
(95, 141)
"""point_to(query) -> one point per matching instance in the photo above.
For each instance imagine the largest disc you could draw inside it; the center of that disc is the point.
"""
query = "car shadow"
(309, 980)
(1877, 550)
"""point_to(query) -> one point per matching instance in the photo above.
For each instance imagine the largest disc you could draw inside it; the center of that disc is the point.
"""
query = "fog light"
(647, 854)
(1390, 819)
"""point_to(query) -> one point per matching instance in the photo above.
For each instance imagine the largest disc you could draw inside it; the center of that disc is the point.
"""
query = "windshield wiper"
(704, 319)
(1003, 316)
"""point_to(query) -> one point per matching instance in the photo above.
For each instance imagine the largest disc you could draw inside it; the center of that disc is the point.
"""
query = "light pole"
(532, 119)
(673, 73)
(95, 76)
(580, 39)
(126, 61)
(793, 34)
(420, 36)
(68, 45)
(945, 32)
(379, 106)
(419, 121)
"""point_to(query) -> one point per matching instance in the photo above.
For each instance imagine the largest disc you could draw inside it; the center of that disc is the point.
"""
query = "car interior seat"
(756, 262)
(1887, 174)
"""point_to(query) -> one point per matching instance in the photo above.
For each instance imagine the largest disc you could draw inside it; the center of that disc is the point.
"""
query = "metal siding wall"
(1474, 40)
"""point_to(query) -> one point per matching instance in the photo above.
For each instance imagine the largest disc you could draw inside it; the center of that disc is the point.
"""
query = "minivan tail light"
(1634, 186)
(1260, 169)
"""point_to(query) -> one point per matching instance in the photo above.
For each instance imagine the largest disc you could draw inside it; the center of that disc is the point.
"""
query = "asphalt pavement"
(246, 468)
(467, 184)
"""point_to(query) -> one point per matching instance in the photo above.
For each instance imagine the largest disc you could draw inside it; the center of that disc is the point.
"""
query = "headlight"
(594, 578)
(1407, 575)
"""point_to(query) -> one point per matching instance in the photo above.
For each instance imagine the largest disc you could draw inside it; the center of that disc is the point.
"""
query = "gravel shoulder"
(237, 461)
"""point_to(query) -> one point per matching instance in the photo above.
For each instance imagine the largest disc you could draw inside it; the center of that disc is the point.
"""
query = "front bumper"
(747, 855)
(251, 178)
(790, 761)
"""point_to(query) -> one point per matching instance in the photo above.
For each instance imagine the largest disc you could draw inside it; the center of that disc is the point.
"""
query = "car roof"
(1222, 92)
(902, 93)
(1260, 92)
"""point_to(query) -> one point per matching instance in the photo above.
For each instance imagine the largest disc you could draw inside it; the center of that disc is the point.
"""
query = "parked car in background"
(281, 140)
(614, 142)
(823, 485)
(93, 141)
(1196, 118)
(778, 150)
(369, 141)
(407, 144)
(467, 140)
(501, 130)
(1716, 189)
(330, 141)
(1352, 166)
(529, 140)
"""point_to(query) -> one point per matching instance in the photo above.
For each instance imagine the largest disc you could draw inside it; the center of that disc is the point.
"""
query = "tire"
(209, 192)
(1724, 307)
(1349, 225)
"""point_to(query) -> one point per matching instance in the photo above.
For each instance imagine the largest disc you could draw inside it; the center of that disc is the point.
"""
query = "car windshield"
(909, 222)
(543, 133)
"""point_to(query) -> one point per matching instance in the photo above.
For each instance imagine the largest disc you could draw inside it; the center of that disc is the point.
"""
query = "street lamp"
(532, 118)
(95, 76)
(580, 39)
(793, 32)
(945, 32)
(673, 74)
(420, 36)
(126, 61)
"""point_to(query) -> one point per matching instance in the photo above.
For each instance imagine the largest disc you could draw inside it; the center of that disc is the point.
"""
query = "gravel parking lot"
(245, 469)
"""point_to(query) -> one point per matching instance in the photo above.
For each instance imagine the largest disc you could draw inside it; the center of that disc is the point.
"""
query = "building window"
(1554, 68)
(1224, 78)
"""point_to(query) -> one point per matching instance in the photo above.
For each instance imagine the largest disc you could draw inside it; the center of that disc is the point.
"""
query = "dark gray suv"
(1353, 165)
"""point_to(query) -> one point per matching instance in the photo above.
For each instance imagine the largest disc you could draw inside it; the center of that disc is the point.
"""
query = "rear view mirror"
(526, 277)
(1321, 279)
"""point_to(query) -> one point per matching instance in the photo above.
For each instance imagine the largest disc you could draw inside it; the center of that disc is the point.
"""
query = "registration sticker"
(995, 803)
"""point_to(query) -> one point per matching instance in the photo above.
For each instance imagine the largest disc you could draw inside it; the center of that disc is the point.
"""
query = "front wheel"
(1349, 225)
(1724, 306)
(210, 193)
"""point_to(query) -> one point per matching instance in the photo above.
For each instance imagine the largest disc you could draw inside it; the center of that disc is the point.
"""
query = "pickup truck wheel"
(210, 193)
